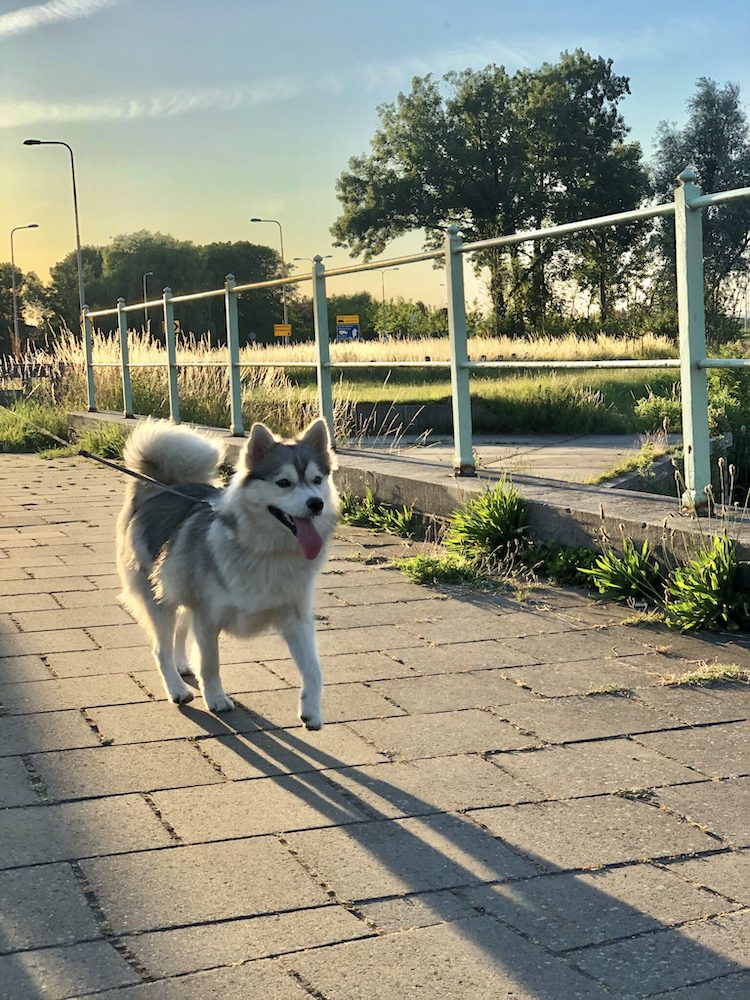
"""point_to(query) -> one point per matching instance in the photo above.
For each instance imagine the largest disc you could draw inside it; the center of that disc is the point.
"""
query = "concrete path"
(506, 802)
(570, 458)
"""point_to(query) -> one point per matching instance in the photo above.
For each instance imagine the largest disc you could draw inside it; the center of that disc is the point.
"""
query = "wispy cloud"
(16, 22)
(162, 104)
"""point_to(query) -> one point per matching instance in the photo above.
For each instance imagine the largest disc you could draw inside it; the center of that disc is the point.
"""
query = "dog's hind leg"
(299, 634)
(207, 642)
(162, 620)
(181, 632)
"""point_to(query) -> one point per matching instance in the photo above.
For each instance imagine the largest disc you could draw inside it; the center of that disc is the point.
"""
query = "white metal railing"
(693, 363)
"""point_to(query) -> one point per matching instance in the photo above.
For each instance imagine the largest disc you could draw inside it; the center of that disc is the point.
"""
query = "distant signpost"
(282, 329)
(347, 328)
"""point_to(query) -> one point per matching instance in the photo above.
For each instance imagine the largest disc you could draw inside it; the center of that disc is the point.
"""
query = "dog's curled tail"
(172, 454)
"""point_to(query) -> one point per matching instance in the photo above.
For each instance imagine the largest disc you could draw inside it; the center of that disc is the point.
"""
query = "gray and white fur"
(237, 560)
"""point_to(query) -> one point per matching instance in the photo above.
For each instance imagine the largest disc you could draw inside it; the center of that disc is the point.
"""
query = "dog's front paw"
(312, 720)
(218, 702)
(180, 694)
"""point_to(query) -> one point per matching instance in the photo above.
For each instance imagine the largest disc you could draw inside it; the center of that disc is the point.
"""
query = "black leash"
(104, 461)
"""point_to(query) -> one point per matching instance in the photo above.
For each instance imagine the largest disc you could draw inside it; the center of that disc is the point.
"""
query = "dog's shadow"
(444, 873)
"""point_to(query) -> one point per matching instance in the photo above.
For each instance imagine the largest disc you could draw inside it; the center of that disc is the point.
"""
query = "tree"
(496, 154)
(29, 295)
(715, 141)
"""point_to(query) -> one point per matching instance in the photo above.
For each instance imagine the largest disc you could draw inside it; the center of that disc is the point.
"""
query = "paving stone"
(580, 645)
(44, 906)
(350, 617)
(58, 973)
(99, 661)
(452, 626)
(581, 676)
(54, 695)
(444, 692)
(153, 721)
(256, 979)
(561, 720)
(718, 751)
(35, 834)
(695, 705)
(19, 582)
(437, 784)
(29, 602)
(390, 857)
(345, 668)
(7, 626)
(475, 958)
(141, 767)
(283, 751)
(90, 598)
(470, 731)
(88, 568)
(563, 912)
(10, 574)
(362, 640)
(341, 703)
(593, 768)
(14, 669)
(15, 786)
(671, 958)
(424, 909)
(23, 643)
(727, 873)
(200, 884)
(723, 988)
(102, 614)
(589, 833)
(189, 949)
(266, 646)
(722, 807)
(47, 731)
(117, 636)
(237, 678)
(250, 808)
(387, 592)
(458, 657)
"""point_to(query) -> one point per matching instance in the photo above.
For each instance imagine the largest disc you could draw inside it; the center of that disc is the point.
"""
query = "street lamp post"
(145, 298)
(382, 285)
(281, 240)
(16, 332)
(57, 142)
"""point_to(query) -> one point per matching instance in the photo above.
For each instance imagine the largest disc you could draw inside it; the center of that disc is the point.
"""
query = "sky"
(190, 117)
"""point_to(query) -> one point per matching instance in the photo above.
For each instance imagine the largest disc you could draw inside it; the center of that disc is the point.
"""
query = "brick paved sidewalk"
(476, 820)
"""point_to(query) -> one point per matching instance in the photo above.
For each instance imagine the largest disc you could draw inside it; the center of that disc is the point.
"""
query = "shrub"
(633, 576)
(491, 524)
(702, 593)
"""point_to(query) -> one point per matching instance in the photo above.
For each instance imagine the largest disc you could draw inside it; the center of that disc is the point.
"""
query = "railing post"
(169, 334)
(127, 392)
(322, 345)
(233, 346)
(463, 456)
(88, 355)
(692, 327)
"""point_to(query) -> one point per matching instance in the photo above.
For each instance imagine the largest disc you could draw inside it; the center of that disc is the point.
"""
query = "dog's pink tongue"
(308, 538)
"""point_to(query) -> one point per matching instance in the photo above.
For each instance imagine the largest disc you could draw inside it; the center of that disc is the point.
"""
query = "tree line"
(493, 153)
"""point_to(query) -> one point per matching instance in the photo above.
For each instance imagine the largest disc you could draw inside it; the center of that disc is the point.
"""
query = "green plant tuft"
(491, 524)
(633, 576)
(18, 435)
(435, 569)
(702, 593)
(366, 512)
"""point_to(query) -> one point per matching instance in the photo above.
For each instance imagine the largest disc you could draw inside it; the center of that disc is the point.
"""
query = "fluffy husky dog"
(236, 560)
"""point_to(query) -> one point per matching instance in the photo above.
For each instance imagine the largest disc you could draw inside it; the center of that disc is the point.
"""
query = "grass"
(18, 435)
(642, 463)
(450, 568)
(709, 675)
(369, 513)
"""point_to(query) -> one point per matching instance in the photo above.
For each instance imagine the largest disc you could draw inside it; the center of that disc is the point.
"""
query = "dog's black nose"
(315, 504)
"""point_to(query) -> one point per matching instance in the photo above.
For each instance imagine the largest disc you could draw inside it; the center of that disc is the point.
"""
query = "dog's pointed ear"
(260, 443)
(316, 436)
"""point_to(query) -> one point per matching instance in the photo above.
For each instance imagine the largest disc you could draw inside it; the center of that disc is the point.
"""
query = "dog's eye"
(283, 483)
(317, 481)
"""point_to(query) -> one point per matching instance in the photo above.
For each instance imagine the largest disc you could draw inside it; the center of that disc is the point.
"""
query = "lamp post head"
(33, 225)
(256, 220)
(32, 142)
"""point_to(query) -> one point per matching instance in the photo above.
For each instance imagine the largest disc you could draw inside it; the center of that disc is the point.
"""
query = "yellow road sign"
(348, 320)
(282, 329)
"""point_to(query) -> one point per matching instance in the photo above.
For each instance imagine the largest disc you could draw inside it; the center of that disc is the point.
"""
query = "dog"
(197, 559)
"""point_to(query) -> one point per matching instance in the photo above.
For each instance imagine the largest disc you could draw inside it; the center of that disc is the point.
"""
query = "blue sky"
(190, 117)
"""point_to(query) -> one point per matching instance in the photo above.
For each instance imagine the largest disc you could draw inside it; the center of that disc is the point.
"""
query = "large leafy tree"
(29, 299)
(495, 154)
(715, 140)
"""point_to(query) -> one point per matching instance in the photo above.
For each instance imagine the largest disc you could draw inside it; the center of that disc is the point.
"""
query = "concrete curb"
(570, 514)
